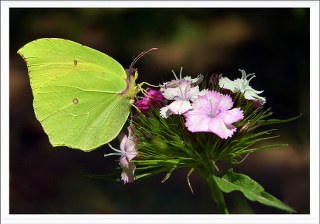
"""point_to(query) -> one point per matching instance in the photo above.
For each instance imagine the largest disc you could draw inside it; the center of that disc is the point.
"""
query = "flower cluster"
(187, 123)
(203, 111)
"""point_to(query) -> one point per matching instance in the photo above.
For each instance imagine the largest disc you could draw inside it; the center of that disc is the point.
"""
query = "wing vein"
(70, 132)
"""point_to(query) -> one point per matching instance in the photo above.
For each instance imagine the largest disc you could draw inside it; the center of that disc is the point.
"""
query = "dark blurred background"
(273, 43)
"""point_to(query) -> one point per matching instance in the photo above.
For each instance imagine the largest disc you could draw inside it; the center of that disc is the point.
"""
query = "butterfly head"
(131, 89)
(132, 75)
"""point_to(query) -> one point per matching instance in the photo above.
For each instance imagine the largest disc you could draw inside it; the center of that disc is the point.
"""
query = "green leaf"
(277, 121)
(251, 189)
(265, 147)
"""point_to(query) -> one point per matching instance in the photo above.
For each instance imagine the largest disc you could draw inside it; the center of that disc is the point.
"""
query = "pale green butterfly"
(82, 97)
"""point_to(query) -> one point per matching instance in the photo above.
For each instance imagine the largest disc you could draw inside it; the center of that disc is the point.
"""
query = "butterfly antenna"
(141, 55)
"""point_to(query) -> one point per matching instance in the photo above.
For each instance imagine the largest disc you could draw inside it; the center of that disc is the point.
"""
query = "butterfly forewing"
(76, 92)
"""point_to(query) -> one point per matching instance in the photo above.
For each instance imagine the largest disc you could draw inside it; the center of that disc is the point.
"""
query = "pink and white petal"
(185, 91)
(170, 93)
(170, 84)
(213, 97)
(180, 106)
(218, 127)
(184, 84)
(165, 112)
(129, 145)
(200, 102)
(203, 92)
(193, 92)
(124, 162)
(123, 141)
(231, 116)
(131, 152)
(225, 103)
(197, 122)
(127, 174)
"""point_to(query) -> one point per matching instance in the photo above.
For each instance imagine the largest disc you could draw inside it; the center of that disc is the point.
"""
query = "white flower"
(180, 90)
(175, 82)
(242, 85)
(181, 96)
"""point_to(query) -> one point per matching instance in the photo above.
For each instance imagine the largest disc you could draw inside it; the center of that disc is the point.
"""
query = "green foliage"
(251, 189)
(165, 145)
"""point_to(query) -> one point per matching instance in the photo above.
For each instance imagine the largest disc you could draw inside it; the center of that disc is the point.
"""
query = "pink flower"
(212, 113)
(128, 169)
(128, 144)
(127, 152)
(181, 95)
(153, 97)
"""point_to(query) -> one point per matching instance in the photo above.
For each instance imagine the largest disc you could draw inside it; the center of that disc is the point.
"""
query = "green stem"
(216, 194)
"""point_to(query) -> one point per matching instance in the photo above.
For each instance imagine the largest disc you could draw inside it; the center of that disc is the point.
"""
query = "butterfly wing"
(76, 92)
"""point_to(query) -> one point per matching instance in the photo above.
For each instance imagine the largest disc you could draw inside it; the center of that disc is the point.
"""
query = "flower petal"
(252, 95)
(197, 121)
(231, 116)
(131, 151)
(155, 95)
(226, 83)
(218, 127)
(128, 144)
(143, 104)
(211, 113)
(180, 106)
(123, 140)
(191, 92)
(128, 169)
(152, 97)
(165, 112)
(182, 91)
(170, 93)
(225, 102)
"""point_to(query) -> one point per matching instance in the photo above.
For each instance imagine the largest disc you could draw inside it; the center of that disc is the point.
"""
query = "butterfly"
(81, 96)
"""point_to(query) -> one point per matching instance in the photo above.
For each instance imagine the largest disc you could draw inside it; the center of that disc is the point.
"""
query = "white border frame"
(117, 219)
